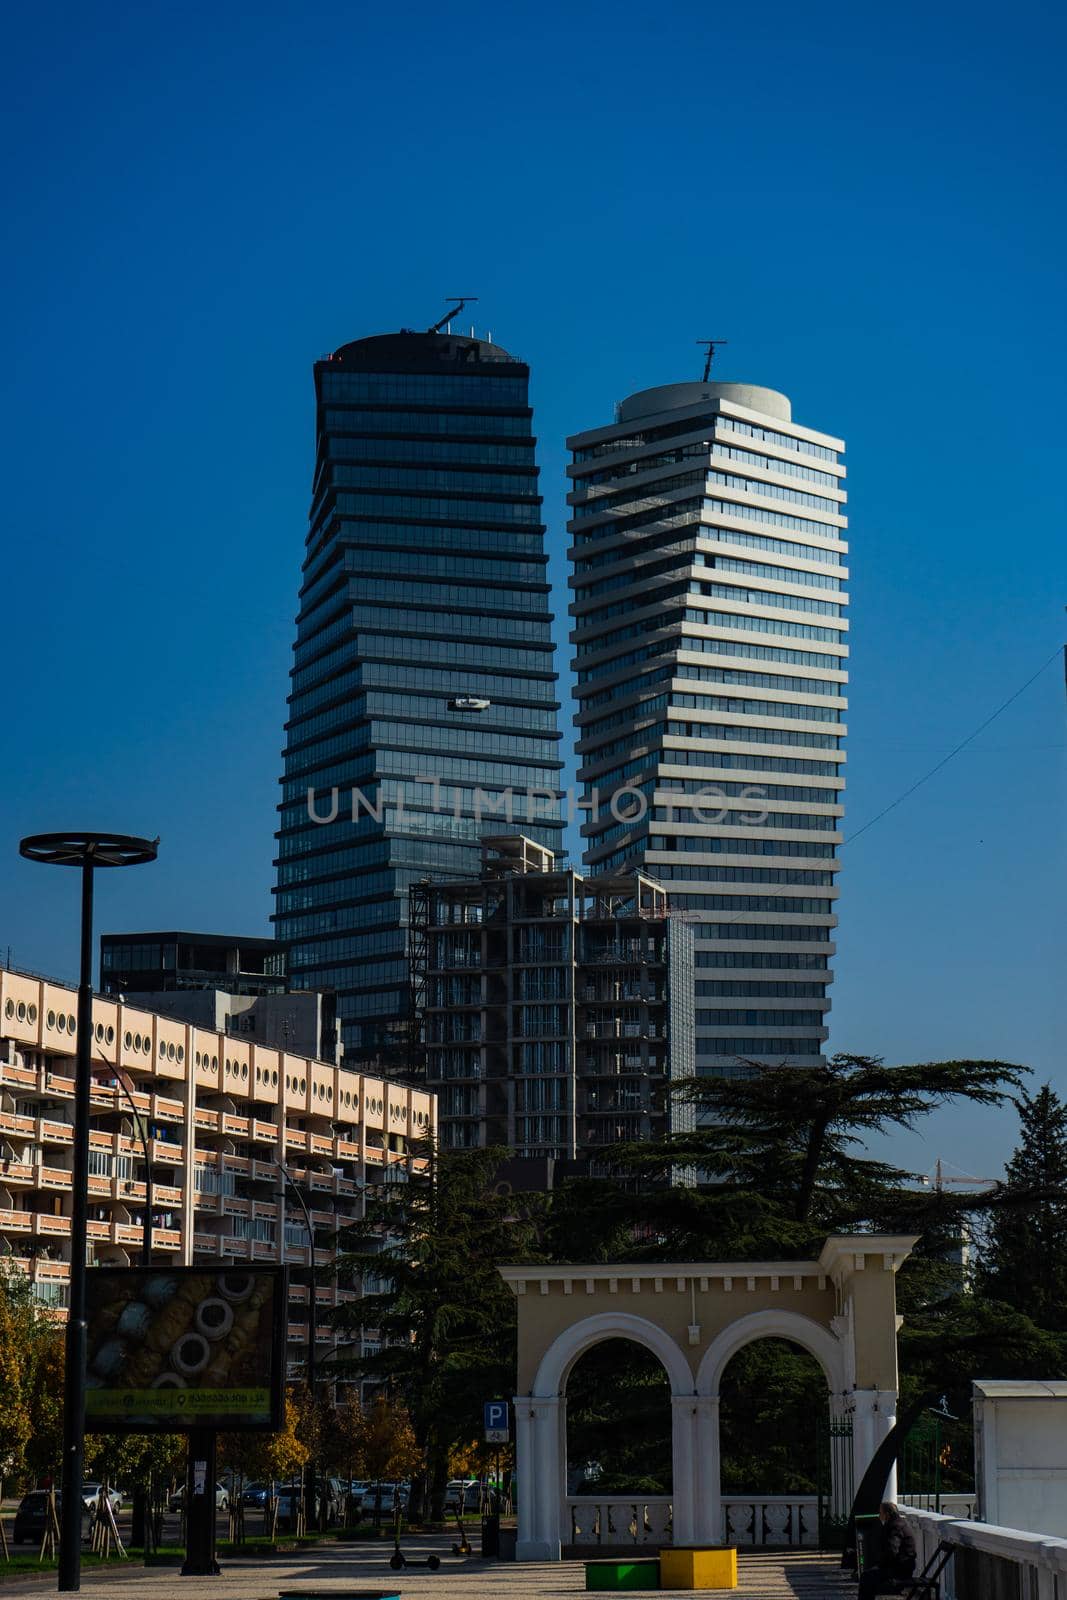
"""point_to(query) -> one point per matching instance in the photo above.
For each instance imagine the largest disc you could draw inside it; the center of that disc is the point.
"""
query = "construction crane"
(712, 345)
(454, 311)
(965, 1179)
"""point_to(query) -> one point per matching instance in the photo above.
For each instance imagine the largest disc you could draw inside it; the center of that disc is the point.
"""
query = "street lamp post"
(87, 851)
(313, 1322)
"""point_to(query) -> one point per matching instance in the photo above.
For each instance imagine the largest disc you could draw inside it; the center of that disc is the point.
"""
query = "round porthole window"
(71, 1025)
(50, 1019)
(9, 1009)
(32, 1013)
(61, 1021)
(181, 1052)
(110, 1034)
(128, 1039)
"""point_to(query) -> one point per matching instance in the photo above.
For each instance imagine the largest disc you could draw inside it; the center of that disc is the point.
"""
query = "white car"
(91, 1496)
(463, 1494)
(222, 1498)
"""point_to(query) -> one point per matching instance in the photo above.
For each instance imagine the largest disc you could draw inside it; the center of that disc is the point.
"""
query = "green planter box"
(635, 1573)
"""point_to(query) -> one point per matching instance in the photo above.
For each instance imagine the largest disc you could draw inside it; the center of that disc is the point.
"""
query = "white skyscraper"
(709, 629)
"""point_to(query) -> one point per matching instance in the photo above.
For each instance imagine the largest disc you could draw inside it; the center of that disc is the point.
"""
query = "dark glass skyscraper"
(423, 710)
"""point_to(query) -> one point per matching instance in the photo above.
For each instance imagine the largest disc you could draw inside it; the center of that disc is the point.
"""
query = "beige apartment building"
(219, 1113)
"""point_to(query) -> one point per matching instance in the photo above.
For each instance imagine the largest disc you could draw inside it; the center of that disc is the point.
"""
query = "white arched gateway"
(694, 1318)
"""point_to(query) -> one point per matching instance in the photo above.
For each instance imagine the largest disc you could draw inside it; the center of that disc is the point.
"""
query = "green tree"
(780, 1157)
(1024, 1261)
(31, 1382)
(426, 1256)
(16, 1424)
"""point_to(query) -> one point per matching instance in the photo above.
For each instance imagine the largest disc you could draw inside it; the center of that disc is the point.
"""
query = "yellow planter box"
(698, 1567)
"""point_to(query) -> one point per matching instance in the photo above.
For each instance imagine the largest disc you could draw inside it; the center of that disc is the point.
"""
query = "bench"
(625, 1572)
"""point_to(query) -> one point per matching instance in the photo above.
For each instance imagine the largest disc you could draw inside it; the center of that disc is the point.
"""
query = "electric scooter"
(398, 1560)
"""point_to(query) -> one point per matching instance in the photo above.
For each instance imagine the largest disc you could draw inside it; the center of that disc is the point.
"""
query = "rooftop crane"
(712, 346)
(454, 311)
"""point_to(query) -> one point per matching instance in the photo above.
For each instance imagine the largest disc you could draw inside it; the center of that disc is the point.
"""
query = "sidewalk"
(365, 1566)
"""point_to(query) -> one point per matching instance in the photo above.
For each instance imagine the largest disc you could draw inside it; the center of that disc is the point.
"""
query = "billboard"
(174, 1348)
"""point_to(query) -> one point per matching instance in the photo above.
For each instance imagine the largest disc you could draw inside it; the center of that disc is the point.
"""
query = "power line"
(1056, 654)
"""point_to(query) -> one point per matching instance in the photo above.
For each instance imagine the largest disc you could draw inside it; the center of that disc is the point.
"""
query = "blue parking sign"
(497, 1429)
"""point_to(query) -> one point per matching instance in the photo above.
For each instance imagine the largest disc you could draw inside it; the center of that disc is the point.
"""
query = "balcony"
(46, 1131)
(45, 1226)
(57, 1178)
(166, 1110)
(18, 1077)
(163, 1151)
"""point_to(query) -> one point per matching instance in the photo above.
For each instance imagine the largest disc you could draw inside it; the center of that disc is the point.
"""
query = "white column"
(683, 1467)
(707, 1490)
(885, 1417)
(524, 1475)
(537, 1466)
(863, 1437)
(874, 1413)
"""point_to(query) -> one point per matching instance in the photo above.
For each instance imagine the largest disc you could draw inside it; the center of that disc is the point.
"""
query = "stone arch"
(541, 1427)
(573, 1342)
(810, 1335)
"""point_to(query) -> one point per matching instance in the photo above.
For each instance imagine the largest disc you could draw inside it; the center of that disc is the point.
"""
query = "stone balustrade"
(619, 1520)
(780, 1521)
(989, 1561)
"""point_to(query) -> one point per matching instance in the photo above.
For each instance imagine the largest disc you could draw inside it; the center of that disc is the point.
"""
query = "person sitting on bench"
(896, 1555)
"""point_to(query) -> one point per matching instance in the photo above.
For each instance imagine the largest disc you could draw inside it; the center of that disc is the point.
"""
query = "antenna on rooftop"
(712, 346)
(461, 300)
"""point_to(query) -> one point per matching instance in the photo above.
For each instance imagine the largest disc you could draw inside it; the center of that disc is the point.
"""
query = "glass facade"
(424, 685)
(702, 769)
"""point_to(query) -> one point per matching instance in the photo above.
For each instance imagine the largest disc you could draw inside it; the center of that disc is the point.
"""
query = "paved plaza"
(364, 1566)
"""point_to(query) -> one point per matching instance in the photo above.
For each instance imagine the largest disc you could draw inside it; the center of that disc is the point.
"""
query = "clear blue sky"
(867, 201)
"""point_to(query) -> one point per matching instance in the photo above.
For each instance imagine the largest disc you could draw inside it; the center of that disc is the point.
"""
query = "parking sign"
(497, 1430)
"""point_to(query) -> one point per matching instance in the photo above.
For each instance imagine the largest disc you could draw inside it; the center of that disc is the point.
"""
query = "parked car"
(91, 1496)
(222, 1498)
(289, 1504)
(255, 1494)
(391, 1494)
(32, 1514)
(463, 1494)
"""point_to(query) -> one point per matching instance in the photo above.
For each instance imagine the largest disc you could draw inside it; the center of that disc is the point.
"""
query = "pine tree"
(780, 1158)
(1025, 1261)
